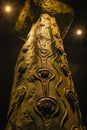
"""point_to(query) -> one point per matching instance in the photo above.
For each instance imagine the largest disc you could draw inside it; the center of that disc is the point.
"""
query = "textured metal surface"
(32, 9)
(43, 95)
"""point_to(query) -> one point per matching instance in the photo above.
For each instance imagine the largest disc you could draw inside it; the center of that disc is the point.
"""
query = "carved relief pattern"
(43, 95)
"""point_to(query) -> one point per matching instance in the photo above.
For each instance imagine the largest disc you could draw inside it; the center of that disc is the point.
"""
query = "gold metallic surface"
(43, 95)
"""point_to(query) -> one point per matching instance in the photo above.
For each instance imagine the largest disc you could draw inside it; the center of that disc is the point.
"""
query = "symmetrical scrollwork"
(43, 95)
(46, 107)
(45, 75)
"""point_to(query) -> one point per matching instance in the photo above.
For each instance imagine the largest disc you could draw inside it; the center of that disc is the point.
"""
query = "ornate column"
(43, 95)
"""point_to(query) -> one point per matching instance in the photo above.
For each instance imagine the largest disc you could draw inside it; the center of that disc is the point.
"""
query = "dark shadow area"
(75, 48)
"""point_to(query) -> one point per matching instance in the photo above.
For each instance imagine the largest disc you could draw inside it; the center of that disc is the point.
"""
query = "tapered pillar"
(43, 95)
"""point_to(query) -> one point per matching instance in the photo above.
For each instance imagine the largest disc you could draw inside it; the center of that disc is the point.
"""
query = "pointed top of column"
(32, 9)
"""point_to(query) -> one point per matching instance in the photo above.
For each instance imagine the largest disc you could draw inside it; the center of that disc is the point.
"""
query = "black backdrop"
(75, 47)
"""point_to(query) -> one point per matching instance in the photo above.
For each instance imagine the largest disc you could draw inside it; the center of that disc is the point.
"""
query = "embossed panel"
(43, 95)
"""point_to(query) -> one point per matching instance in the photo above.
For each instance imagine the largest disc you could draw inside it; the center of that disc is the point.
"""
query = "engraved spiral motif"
(47, 107)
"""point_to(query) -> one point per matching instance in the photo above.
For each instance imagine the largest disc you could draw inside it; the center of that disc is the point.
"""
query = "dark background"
(75, 47)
